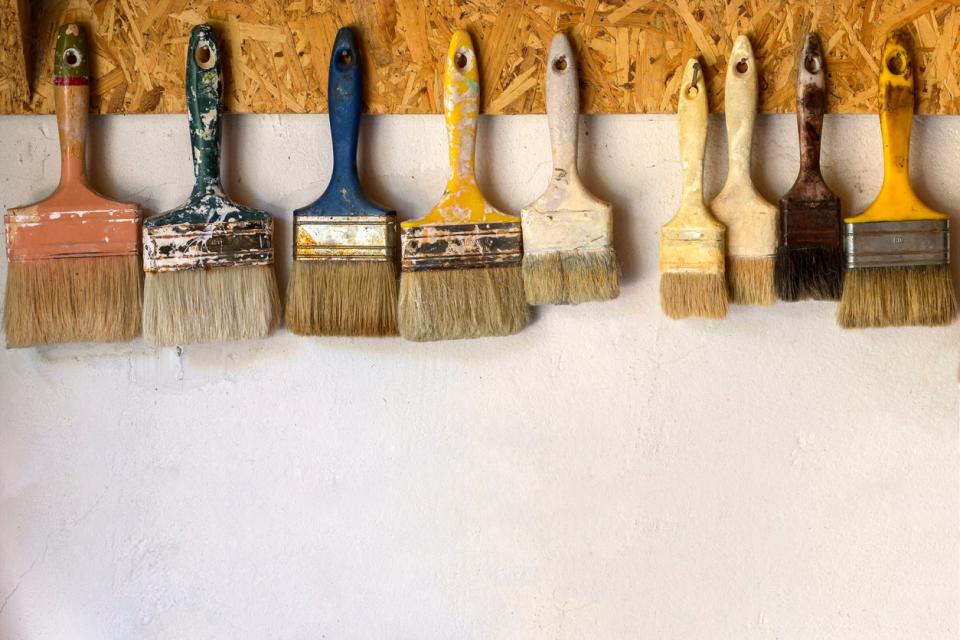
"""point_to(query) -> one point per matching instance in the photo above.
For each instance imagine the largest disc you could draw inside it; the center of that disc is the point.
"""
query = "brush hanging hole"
(460, 59)
(560, 64)
(742, 66)
(344, 59)
(896, 64)
(812, 64)
(72, 58)
(692, 91)
(205, 57)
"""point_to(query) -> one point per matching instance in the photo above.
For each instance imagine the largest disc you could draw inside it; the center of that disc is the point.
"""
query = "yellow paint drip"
(462, 202)
(896, 200)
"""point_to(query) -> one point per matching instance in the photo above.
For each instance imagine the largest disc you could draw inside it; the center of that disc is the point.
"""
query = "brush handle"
(344, 195)
(563, 108)
(204, 107)
(811, 105)
(461, 99)
(897, 200)
(740, 105)
(692, 128)
(71, 79)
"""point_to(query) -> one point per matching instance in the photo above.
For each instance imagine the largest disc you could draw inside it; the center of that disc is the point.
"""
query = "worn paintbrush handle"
(740, 105)
(71, 79)
(461, 93)
(345, 98)
(692, 127)
(896, 111)
(204, 106)
(563, 106)
(811, 105)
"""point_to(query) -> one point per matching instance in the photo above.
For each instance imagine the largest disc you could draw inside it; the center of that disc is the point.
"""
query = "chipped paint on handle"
(343, 223)
(480, 235)
(693, 240)
(750, 219)
(810, 211)
(209, 230)
(896, 200)
(566, 217)
(75, 221)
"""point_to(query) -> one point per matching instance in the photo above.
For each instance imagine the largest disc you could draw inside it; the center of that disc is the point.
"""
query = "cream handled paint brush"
(209, 262)
(567, 233)
(460, 271)
(750, 219)
(344, 278)
(898, 249)
(692, 242)
(74, 272)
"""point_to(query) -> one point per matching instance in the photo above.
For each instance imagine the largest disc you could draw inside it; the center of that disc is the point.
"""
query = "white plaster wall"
(607, 473)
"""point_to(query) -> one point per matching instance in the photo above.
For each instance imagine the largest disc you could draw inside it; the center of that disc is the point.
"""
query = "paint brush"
(750, 219)
(898, 249)
(810, 256)
(209, 262)
(74, 272)
(344, 278)
(567, 232)
(692, 242)
(460, 270)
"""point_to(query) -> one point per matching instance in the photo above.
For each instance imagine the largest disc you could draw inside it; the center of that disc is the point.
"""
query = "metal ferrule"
(32, 235)
(346, 238)
(179, 247)
(461, 246)
(810, 224)
(897, 244)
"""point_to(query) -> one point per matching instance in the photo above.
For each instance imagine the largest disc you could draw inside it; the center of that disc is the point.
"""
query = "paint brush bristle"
(897, 297)
(750, 280)
(571, 277)
(693, 295)
(808, 273)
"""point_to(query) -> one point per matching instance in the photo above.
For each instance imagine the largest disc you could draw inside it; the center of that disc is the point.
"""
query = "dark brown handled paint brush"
(810, 256)
(74, 272)
(898, 250)
(460, 271)
(209, 262)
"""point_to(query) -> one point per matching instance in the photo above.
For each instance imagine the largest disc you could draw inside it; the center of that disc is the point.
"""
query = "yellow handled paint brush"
(567, 232)
(692, 242)
(460, 273)
(898, 249)
(751, 220)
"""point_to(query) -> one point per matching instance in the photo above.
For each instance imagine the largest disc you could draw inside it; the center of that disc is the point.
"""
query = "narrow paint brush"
(567, 232)
(74, 272)
(209, 262)
(344, 278)
(898, 249)
(692, 242)
(460, 270)
(750, 219)
(810, 256)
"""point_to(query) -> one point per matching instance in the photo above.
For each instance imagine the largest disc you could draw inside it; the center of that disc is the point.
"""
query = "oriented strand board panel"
(630, 50)
(14, 39)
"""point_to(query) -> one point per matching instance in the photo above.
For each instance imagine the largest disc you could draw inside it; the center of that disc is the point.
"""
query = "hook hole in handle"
(560, 64)
(344, 59)
(743, 66)
(205, 57)
(812, 64)
(896, 64)
(72, 58)
(692, 91)
(461, 60)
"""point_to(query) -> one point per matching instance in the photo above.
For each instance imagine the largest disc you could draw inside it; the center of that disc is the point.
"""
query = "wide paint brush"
(344, 278)
(898, 249)
(74, 272)
(460, 271)
(209, 262)
(692, 242)
(810, 256)
(750, 219)
(567, 232)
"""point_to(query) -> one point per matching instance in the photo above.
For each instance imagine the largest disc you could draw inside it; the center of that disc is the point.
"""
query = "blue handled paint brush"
(344, 279)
